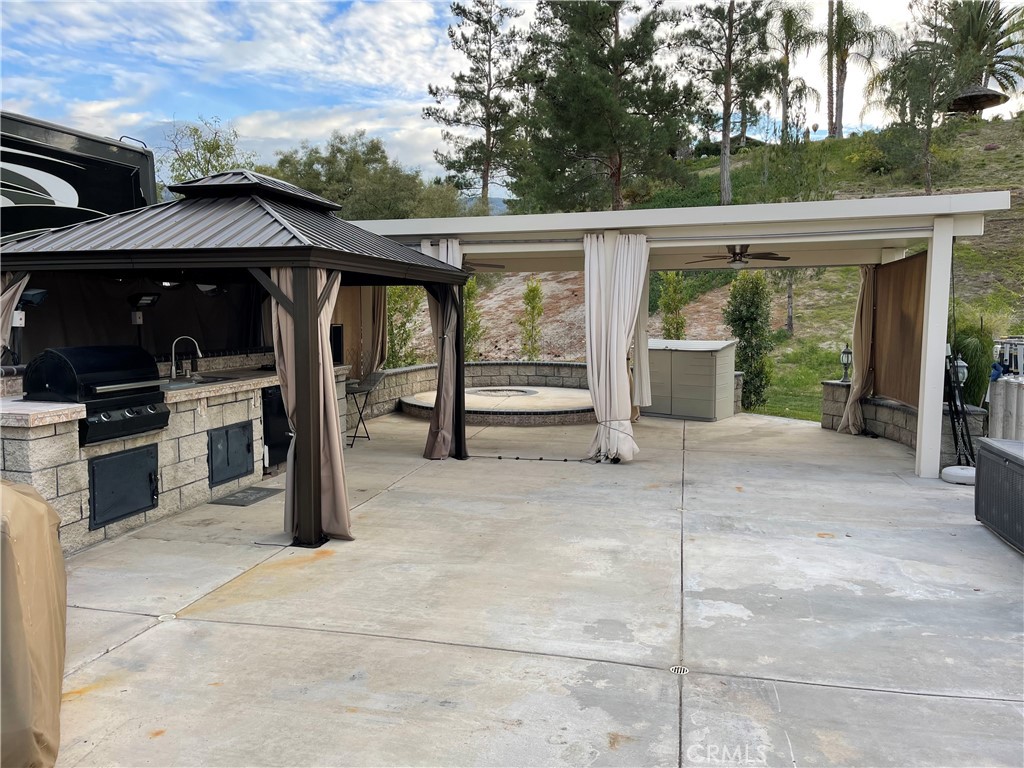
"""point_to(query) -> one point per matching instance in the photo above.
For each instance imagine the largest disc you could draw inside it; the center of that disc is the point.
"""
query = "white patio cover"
(614, 284)
(334, 514)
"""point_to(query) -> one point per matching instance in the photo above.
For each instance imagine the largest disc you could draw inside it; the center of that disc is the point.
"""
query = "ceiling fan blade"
(470, 266)
(767, 256)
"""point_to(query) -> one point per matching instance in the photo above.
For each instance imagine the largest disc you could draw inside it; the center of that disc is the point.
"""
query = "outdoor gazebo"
(243, 227)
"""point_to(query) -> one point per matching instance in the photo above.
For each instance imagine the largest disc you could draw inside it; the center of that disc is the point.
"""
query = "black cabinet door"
(122, 484)
(230, 452)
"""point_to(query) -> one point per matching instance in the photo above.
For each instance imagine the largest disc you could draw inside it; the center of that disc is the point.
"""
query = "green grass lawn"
(795, 391)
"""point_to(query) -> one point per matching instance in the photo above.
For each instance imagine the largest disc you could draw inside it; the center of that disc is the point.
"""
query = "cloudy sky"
(280, 71)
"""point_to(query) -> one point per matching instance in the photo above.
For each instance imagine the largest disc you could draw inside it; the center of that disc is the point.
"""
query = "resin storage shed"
(692, 379)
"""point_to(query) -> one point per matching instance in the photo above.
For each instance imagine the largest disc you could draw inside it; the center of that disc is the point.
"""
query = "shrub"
(671, 305)
(529, 323)
(973, 342)
(748, 314)
(403, 304)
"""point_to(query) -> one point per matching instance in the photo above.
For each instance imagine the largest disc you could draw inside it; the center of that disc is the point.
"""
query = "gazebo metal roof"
(236, 219)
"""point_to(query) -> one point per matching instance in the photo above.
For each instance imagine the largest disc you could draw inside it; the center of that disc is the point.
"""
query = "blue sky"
(280, 71)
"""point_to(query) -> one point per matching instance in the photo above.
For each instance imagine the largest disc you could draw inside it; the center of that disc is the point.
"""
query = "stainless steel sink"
(195, 381)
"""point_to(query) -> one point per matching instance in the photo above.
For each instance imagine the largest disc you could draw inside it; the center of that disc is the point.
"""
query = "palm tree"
(855, 39)
(791, 34)
(986, 41)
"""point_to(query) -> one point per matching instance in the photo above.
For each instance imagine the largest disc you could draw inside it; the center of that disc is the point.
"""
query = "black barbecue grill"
(119, 387)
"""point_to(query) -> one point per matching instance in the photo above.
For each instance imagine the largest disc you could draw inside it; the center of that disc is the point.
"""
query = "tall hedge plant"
(748, 313)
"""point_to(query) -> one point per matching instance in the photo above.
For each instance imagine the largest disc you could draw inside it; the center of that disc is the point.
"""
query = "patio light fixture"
(960, 369)
(846, 358)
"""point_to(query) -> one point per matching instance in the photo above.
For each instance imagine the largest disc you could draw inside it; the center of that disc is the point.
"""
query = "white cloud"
(410, 140)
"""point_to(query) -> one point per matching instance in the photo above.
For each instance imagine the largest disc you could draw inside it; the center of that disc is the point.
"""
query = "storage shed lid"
(686, 345)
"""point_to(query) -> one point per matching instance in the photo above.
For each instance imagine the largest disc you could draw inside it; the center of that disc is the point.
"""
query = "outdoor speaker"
(338, 343)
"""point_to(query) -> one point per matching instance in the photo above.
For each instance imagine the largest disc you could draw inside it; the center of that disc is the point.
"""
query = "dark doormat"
(247, 496)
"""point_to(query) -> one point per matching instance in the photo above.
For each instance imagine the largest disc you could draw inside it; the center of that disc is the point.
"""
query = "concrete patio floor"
(832, 609)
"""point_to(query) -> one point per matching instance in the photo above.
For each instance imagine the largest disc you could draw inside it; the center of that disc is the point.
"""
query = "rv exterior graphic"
(51, 176)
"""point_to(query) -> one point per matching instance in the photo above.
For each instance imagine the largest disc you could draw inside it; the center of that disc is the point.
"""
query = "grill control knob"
(129, 412)
(104, 416)
(151, 408)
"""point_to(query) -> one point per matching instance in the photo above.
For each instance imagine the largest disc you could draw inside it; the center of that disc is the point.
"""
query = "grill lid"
(73, 374)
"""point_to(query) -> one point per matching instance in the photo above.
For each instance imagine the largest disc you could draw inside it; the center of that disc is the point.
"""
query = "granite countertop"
(17, 412)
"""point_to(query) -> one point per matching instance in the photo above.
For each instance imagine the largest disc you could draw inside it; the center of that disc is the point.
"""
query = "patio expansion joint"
(866, 689)
(428, 641)
(144, 630)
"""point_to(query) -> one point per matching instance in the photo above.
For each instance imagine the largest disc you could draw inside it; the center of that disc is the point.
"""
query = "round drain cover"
(678, 669)
(167, 617)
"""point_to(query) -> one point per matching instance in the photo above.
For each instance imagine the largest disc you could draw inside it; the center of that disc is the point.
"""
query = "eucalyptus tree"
(791, 34)
(854, 39)
(723, 42)
(478, 127)
(604, 109)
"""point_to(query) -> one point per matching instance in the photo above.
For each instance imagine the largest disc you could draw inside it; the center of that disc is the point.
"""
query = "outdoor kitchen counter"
(39, 445)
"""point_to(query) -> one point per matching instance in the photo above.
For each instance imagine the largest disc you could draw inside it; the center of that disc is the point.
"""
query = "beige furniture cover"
(32, 624)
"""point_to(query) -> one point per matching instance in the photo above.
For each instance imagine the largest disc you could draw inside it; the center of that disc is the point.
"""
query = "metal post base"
(316, 545)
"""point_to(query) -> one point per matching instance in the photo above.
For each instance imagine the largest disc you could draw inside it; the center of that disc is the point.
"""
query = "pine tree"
(482, 95)
(602, 110)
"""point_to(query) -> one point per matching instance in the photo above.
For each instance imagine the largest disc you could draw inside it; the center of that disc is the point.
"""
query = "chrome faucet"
(174, 368)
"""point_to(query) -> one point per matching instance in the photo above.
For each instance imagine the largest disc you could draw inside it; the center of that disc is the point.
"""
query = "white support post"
(933, 348)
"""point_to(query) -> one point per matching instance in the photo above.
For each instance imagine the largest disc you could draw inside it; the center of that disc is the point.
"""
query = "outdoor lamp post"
(960, 369)
(846, 358)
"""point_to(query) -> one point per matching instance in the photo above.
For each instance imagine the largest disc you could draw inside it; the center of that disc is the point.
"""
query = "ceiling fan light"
(737, 264)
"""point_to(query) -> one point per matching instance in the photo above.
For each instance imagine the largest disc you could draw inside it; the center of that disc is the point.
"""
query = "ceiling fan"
(739, 254)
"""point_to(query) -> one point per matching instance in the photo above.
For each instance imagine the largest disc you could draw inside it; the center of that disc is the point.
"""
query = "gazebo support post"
(933, 348)
(308, 408)
(459, 420)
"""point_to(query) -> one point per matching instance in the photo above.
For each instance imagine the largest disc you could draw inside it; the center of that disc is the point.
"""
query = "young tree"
(202, 148)
(789, 278)
(748, 313)
(724, 41)
(606, 111)
(483, 95)
(529, 322)
(473, 329)
(791, 34)
(920, 81)
(671, 303)
(403, 304)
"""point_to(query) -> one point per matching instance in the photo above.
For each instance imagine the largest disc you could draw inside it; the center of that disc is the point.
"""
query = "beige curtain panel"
(614, 282)
(442, 304)
(378, 330)
(863, 374)
(641, 355)
(333, 492)
(33, 617)
(12, 290)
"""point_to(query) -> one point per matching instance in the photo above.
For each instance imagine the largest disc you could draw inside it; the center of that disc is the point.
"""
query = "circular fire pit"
(513, 406)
